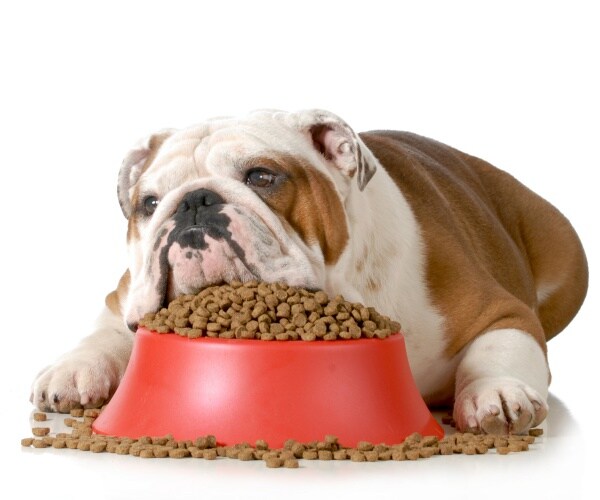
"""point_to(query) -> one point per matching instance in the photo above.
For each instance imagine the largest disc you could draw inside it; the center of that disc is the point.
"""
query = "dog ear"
(134, 165)
(339, 144)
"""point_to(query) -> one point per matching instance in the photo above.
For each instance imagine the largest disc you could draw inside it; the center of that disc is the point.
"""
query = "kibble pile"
(268, 311)
(414, 446)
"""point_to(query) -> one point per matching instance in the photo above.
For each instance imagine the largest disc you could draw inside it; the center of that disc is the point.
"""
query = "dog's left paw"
(498, 406)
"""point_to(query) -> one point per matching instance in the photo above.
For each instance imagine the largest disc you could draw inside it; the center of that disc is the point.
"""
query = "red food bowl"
(245, 390)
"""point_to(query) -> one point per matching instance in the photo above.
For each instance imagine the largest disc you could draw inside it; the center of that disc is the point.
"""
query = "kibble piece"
(364, 446)
(358, 456)
(246, 454)
(298, 449)
(98, 447)
(146, 453)
(39, 417)
(371, 456)
(274, 462)
(429, 441)
(310, 455)
(59, 443)
(122, 449)
(308, 336)
(111, 446)
(40, 431)
(72, 443)
(291, 463)
(500, 442)
(321, 298)
(481, 449)
(310, 304)
(469, 449)
(179, 453)
(514, 447)
(210, 454)
(261, 444)
(325, 455)
(299, 319)
(488, 441)
(536, 432)
(77, 412)
(84, 445)
(39, 443)
(446, 449)
(26, 441)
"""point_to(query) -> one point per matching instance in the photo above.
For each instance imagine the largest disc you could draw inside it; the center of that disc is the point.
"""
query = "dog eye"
(150, 203)
(260, 178)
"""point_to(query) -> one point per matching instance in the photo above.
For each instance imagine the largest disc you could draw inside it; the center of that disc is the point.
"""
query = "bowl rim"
(170, 336)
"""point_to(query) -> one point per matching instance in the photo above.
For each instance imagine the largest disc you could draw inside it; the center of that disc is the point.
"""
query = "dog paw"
(498, 406)
(79, 379)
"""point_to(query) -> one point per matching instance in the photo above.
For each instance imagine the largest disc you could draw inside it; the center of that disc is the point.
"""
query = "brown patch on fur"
(490, 241)
(362, 261)
(309, 202)
(115, 300)
(372, 285)
(360, 266)
(154, 145)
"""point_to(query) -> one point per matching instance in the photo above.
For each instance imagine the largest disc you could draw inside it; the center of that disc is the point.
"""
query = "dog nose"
(200, 198)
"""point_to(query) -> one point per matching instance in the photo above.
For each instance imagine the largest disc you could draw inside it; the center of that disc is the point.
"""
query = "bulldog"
(480, 271)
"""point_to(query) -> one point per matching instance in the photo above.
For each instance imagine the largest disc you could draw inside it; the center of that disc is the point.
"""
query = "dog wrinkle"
(311, 205)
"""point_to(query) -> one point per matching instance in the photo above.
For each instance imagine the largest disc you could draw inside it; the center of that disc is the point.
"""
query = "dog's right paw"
(81, 378)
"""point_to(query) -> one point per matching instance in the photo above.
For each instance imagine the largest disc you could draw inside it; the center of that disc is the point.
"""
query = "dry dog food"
(414, 447)
(268, 311)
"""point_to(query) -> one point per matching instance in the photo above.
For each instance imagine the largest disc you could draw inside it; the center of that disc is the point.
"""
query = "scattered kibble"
(414, 447)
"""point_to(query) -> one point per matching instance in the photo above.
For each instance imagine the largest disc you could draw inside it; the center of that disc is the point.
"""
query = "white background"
(515, 83)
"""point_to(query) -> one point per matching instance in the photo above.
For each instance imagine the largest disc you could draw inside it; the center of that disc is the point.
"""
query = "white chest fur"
(384, 266)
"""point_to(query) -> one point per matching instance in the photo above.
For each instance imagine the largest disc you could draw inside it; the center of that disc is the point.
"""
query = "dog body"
(479, 270)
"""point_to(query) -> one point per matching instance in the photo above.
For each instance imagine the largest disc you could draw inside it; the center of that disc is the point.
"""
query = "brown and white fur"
(479, 270)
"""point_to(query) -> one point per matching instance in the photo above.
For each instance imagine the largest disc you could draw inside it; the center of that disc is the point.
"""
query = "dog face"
(260, 197)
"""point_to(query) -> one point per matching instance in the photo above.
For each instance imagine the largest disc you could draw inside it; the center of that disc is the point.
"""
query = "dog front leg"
(501, 384)
(89, 374)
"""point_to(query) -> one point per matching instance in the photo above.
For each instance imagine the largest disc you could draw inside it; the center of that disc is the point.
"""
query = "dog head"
(260, 197)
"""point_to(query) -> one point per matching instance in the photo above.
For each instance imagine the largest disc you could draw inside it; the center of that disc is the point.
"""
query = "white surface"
(516, 84)
(544, 470)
